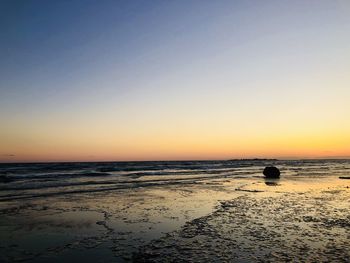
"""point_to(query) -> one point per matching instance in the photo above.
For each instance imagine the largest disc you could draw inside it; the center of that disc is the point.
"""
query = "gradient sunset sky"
(174, 80)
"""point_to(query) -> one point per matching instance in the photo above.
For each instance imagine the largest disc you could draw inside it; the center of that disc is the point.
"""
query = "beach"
(174, 131)
(214, 211)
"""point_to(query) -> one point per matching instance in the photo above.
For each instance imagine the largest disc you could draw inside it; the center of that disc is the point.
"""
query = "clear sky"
(164, 80)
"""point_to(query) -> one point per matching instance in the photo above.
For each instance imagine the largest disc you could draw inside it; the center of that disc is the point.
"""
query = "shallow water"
(25, 181)
(174, 211)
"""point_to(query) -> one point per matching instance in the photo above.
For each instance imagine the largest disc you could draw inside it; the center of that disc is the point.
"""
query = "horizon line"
(187, 160)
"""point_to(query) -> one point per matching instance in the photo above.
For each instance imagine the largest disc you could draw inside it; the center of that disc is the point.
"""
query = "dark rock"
(344, 177)
(271, 172)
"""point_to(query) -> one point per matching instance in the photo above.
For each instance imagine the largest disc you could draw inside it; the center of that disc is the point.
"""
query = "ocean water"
(33, 180)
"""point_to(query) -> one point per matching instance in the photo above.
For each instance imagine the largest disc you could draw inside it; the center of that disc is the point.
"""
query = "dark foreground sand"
(209, 220)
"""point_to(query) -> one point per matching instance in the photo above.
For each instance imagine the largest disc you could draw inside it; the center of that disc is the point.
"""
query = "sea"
(33, 180)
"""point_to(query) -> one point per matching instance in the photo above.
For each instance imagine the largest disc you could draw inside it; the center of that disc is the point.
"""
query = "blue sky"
(141, 70)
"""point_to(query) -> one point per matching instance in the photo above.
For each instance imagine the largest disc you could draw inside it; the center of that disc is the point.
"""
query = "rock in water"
(271, 172)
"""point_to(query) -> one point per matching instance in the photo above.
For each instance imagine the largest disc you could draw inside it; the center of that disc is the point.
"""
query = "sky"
(174, 80)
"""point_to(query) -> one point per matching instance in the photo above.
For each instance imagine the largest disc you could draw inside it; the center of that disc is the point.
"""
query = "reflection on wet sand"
(272, 181)
(225, 217)
(117, 222)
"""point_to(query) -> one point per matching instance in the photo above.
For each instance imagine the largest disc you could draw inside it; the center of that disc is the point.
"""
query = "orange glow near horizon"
(181, 136)
(158, 147)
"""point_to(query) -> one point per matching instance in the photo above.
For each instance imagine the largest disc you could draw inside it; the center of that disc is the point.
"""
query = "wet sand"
(299, 222)
(304, 219)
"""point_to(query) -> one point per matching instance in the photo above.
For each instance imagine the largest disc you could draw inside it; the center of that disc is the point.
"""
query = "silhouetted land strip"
(252, 160)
